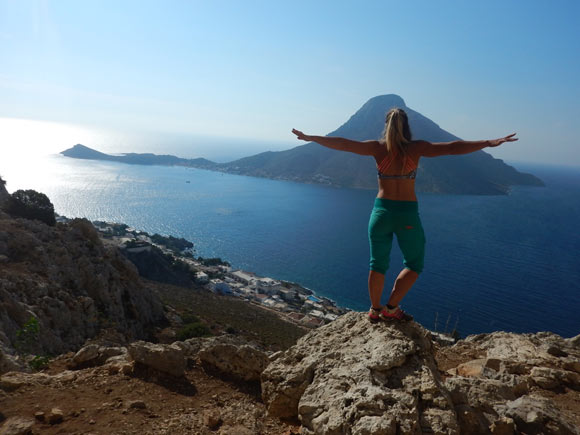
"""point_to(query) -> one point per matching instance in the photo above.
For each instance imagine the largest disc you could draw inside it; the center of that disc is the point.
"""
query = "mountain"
(476, 173)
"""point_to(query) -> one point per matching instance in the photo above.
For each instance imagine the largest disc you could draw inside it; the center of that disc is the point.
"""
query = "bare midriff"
(397, 190)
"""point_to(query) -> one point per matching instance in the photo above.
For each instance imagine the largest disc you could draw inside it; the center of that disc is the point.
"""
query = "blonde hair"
(397, 132)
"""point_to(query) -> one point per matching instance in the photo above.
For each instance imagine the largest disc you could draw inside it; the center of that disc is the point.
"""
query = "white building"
(317, 313)
(243, 277)
(139, 247)
(202, 277)
(218, 286)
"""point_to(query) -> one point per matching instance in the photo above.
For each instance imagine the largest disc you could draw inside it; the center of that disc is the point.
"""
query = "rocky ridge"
(386, 380)
(60, 286)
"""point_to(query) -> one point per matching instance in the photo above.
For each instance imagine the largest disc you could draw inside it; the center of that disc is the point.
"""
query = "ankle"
(391, 307)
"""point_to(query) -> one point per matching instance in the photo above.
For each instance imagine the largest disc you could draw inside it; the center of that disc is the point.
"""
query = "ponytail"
(397, 133)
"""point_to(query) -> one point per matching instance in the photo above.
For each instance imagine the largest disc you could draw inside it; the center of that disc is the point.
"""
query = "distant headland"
(477, 174)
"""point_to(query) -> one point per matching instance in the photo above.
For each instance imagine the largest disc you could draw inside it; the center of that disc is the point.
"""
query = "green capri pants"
(402, 219)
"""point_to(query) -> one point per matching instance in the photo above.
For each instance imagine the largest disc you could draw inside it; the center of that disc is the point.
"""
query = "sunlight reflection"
(25, 137)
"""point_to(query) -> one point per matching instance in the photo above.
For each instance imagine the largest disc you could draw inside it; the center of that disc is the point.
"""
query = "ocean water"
(493, 262)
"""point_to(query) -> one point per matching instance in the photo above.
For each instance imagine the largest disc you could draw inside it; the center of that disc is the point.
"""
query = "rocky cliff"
(60, 285)
(351, 377)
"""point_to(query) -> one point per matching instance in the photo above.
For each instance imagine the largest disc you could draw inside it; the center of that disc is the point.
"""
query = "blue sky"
(255, 69)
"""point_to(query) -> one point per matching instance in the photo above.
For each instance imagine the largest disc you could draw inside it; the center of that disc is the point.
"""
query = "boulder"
(537, 415)
(55, 416)
(95, 355)
(353, 377)
(242, 361)
(477, 367)
(85, 356)
(166, 358)
(549, 378)
(17, 426)
(12, 381)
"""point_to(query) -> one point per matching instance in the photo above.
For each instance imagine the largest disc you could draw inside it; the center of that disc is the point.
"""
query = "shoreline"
(294, 302)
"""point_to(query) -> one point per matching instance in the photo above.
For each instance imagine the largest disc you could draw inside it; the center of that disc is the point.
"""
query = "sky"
(252, 70)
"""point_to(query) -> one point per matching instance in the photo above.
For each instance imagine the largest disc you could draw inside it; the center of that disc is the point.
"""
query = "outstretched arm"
(429, 149)
(366, 148)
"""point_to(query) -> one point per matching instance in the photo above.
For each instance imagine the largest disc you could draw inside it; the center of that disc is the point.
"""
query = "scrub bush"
(30, 204)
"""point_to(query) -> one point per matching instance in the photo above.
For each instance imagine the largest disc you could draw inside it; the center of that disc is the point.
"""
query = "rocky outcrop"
(510, 381)
(228, 356)
(351, 377)
(60, 285)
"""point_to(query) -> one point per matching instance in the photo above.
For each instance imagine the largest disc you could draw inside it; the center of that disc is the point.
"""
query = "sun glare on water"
(24, 137)
(25, 145)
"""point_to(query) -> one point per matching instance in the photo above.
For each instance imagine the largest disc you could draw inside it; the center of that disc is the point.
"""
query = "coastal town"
(290, 300)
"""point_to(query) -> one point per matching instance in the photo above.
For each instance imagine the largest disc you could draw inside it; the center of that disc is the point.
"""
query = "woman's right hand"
(498, 142)
(300, 135)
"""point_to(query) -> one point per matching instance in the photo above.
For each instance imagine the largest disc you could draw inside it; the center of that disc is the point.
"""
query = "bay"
(493, 262)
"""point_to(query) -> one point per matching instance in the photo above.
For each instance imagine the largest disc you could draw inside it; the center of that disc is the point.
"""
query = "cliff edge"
(352, 377)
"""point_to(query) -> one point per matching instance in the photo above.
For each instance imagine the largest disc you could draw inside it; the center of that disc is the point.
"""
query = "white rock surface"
(166, 358)
(351, 377)
(239, 360)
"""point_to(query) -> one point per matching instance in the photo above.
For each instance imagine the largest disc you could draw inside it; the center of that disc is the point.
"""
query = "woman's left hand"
(300, 135)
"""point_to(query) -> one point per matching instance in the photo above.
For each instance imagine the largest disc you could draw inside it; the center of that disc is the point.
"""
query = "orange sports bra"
(408, 166)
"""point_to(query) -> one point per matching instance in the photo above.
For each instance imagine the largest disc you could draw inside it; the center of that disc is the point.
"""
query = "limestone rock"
(12, 381)
(384, 380)
(94, 355)
(137, 404)
(242, 361)
(477, 367)
(85, 355)
(166, 358)
(191, 346)
(535, 415)
(72, 284)
(574, 341)
(549, 378)
(528, 349)
(17, 426)
(55, 416)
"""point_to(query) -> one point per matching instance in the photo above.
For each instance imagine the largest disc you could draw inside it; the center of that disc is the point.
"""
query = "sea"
(492, 263)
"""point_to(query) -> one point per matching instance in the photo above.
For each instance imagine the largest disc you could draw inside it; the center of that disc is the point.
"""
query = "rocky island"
(479, 172)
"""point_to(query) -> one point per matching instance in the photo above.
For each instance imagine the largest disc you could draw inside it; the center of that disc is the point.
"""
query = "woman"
(395, 210)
